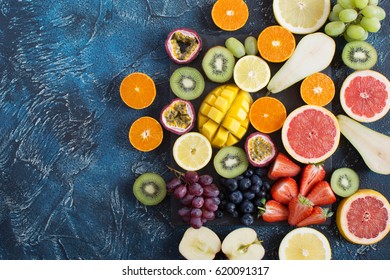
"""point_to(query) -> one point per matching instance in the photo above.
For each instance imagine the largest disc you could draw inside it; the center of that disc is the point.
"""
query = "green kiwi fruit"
(344, 181)
(230, 162)
(359, 55)
(150, 189)
(218, 64)
(187, 83)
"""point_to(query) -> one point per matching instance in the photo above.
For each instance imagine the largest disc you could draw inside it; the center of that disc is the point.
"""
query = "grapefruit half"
(364, 217)
(365, 95)
(310, 134)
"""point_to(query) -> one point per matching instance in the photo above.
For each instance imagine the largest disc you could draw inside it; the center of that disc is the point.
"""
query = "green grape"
(335, 28)
(347, 4)
(235, 46)
(360, 4)
(337, 8)
(381, 14)
(251, 45)
(355, 32)
(333, 16)
(370, 24)
(370, 11)
(365, 36)
(348, 15)
(373, 2)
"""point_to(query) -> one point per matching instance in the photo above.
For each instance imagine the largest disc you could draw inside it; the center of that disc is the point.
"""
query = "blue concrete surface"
(66, 163)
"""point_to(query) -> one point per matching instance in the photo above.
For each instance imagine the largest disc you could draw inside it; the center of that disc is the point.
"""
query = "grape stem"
(177, 173)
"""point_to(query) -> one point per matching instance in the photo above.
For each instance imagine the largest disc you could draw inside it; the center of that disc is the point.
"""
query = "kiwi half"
(187, 83)
(344, 181)
(359, 55)
(150, 189)
(218, 64)
(230, 162)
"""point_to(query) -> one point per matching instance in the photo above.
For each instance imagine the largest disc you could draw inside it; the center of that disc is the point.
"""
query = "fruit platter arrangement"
(252, 132)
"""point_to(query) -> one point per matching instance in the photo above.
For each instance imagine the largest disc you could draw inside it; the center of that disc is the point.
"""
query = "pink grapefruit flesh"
(365, 95)
(364, 217)
(310, 134)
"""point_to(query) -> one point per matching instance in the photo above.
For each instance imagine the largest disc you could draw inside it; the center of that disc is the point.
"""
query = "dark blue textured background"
(66, 164)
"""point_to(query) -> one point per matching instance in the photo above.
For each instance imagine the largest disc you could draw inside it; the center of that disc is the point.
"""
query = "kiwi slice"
(344, 181)
(218, 64)
(187, 83)
(230, 162)
(359, 55)
(150, 189)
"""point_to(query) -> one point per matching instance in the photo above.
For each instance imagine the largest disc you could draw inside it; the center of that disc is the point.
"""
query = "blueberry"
(239, 177)
(261, 171)
(222, 205)
(219, 214)
(267, 185)
(244, 184)
(231, 185)
(262, 194)
(255, 189)
(258, 202)
(230, 207)
(249, 195)
(222, 196)
(248, 173)
(247, 207)
(236, 197)
(235, 214)
(247, 219)
(256, 180)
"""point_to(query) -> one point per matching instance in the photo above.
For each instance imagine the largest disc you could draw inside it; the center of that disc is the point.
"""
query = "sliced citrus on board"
(276, 44)
(137, 90)
(301, 16)
(317, 89)
(305, 244)
(365, 95)
(364, 217)
(251, 73)
(310, 134)
(267, 114)
(192, 151)
(145, 134)
(230, 15)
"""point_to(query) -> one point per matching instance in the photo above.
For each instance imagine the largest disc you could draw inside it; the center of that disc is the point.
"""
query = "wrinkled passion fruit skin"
(183, 45)
(260, 149)
(178, 116)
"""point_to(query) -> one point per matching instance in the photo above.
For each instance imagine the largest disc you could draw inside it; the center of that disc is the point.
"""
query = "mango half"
(223, 115)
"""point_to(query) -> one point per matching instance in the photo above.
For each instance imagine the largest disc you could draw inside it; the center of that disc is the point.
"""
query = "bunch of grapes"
(355, 19)
(198, 196)
(244, 194)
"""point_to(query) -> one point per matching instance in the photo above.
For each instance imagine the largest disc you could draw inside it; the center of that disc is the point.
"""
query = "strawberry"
(322, 194)
(284, 189)
(311, 175)
(283, 167)
(299, 209)
(317, 216)
(274, 211)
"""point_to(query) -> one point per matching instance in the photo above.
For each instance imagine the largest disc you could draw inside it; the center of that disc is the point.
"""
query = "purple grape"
(180, 191)
(191, 177)
(196, 212)
(173, 184)
(197, 202)
(187, 199)
(195, 189)
(210, 205)
(208, 215)
(184, 211)
(216, 200)
(210, 190)
(196, 222)
(205, 180)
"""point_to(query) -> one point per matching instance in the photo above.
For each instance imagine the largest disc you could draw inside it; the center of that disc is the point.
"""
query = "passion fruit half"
(183, 45)
(260, 149)
(178, 116)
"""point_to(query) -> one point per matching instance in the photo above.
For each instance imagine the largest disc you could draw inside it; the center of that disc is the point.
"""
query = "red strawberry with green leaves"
(322, 194)
(311, 175)
(299, 209)
(317, 216)
(284, 189)
(283, 166)
(274, 211)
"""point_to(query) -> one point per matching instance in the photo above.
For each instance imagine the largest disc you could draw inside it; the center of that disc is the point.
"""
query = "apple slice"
(243, 244)
(199, 244)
